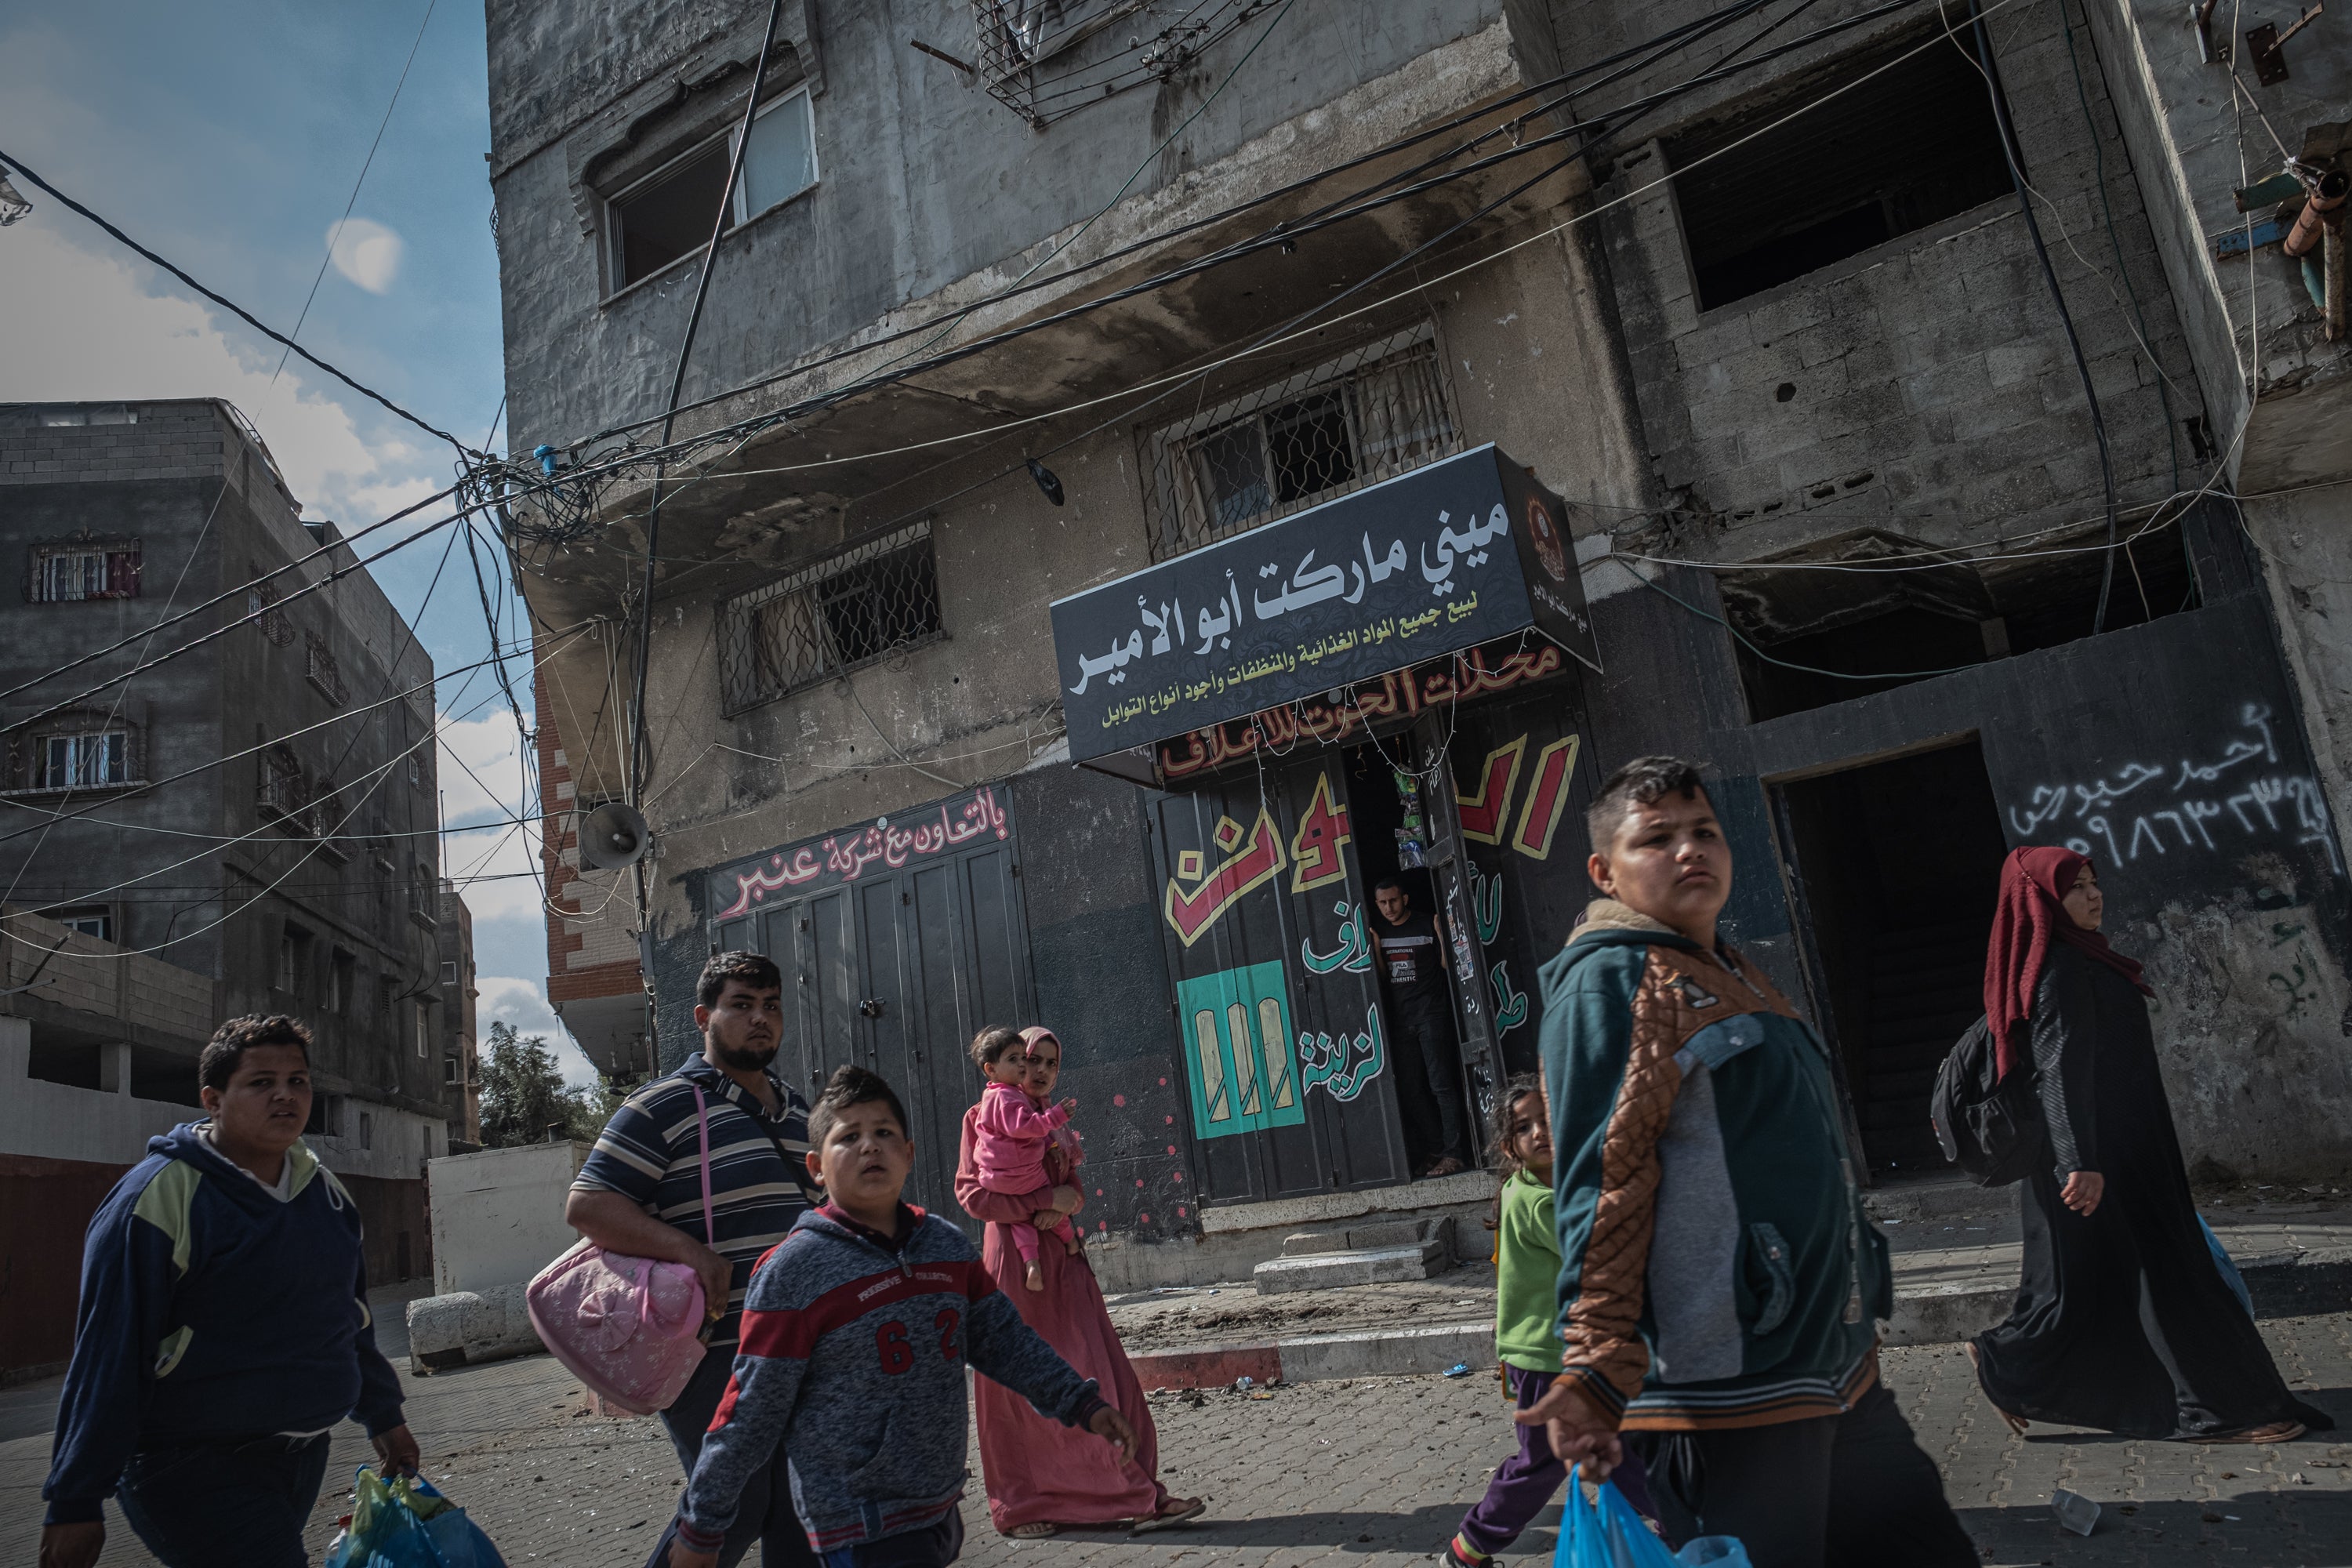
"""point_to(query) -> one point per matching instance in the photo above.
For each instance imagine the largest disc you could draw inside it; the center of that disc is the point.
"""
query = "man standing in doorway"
(1411, 949)
(640, 1193)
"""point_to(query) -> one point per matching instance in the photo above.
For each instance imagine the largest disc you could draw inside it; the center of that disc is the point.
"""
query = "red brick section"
(566, 980)
(1214, 1367)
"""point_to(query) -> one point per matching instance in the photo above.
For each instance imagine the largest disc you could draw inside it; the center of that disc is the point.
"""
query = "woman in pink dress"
(1041, 1475)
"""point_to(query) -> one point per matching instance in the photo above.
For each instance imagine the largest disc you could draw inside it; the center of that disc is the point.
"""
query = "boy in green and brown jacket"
(1719, 1282)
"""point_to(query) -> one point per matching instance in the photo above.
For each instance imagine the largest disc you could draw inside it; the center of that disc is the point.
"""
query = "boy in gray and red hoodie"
(856, 1330)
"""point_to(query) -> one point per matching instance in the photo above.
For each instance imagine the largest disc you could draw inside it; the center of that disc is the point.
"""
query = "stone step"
(1369, 1235)
(1353, 1266)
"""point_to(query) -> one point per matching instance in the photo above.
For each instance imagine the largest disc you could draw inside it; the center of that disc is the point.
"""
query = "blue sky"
(227, 136)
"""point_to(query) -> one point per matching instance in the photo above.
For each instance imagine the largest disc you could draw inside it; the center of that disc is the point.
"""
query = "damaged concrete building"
(1707, 348)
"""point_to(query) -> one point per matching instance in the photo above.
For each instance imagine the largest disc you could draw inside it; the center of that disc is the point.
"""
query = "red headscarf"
(2033, 884)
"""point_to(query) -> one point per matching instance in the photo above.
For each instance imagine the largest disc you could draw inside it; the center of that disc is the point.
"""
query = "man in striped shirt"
(640, 1194)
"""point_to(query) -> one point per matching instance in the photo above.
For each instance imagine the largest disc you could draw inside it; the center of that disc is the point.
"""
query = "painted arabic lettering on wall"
(1487, 905)
(1236, 1028)
(1345, 1066)
(2184, 805)
(844, 857)
(1398, 694)
(1198, 893)
(1424, 565)
(1484, 813)
(1314, 849)
(1354, 953)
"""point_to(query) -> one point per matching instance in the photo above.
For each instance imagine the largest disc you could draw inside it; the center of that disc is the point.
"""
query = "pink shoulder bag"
(628, 1328)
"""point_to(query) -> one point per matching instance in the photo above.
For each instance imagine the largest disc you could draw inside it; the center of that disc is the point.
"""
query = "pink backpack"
(629, 1328)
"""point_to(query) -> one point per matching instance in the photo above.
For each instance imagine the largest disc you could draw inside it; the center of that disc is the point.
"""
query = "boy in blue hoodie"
(223, 1331)
(856, 1330)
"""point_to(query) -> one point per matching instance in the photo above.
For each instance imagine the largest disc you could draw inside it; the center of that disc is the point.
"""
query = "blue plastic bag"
(1607, 1533)
(2229, 1275)
(404, 1523)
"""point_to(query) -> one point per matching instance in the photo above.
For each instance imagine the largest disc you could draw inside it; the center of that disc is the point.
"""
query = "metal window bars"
(284, 793)
(1374, 412)
(851, 608)
(321, 668)
(261, 608)
(83, 568)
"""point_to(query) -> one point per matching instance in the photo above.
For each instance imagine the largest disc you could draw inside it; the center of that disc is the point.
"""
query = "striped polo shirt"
(651, 1154)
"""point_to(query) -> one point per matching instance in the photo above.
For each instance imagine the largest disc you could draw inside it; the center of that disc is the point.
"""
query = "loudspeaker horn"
(613, 837)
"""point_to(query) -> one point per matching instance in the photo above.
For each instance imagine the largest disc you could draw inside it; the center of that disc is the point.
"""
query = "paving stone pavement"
(1372, 1472)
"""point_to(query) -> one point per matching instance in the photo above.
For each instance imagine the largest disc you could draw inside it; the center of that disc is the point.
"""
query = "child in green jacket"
(1527, 1333)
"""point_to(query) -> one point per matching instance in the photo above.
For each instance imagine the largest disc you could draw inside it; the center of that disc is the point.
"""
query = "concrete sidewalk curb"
(1925, 1315)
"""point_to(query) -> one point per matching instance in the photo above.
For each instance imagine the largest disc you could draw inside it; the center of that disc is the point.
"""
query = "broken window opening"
(1892, 154)
(1884, 628)
(666, 216)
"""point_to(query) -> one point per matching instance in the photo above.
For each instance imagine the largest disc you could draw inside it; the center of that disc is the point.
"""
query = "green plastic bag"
(404, 1523)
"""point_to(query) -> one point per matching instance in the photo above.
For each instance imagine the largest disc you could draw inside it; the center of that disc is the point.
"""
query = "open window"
(666, 216)
(1872, 611)
(1892, 152)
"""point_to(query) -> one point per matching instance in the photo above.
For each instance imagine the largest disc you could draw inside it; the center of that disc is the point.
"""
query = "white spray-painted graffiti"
(2121, 817)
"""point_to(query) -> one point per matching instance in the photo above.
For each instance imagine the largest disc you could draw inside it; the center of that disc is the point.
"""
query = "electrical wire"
(365, 165)
(1681, 35)
(2057, 298)
(242, 314)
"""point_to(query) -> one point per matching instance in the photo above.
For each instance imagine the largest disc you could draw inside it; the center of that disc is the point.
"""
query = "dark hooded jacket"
(1717, 1266)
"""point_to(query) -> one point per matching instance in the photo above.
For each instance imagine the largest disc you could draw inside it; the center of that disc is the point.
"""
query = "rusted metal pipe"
(2325, 200)
(2332, 264)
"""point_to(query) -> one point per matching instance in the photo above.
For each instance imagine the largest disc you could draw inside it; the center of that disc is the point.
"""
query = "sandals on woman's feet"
(2275, 1432)
(1036, 1531)
(1447, 1166)
(2017, 1424)
(1175, 1511)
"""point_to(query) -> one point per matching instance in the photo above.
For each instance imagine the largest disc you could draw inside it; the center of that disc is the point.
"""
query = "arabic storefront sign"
(1433, 562)
(1400, 693)
(923, 834)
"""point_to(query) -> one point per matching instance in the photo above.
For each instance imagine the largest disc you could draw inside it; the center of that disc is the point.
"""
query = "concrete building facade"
(252, 824)
(1751, 296)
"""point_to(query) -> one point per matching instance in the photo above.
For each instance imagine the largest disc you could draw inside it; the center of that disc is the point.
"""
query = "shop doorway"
(1898, 865)
(1388, 815)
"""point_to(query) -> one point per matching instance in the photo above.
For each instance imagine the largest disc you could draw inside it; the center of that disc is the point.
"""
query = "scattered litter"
(1890, 1222)
(1459, 1369)
(1195, 1397)
(1262, 1393)
(2299, 1478)
(2211, 1518)
(1244, 1384)
(2075, 1511)
(2232, 1518)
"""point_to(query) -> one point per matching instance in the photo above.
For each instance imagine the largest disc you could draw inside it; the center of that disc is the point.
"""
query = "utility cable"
(676, 388)
(365, 165)
(1809, 670)
(575, 630)
(231, 305)
(1683, 32)
(229, 593)
(2057, 298)
(336, 576)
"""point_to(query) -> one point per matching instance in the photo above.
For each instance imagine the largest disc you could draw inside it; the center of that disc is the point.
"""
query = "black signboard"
(1436, 560)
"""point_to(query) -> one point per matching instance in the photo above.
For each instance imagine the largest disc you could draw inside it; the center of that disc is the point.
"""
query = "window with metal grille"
(261, 608)
(846, 610)
(320, 666)
(83, 569)
(98, 922)
(85, 761)
(424, 897)
(1366, 416)
(284, 793)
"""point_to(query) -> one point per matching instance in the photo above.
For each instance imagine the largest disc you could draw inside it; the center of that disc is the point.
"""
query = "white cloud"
(365, 252)
(481, 777)
(88, 326)
(509, 999)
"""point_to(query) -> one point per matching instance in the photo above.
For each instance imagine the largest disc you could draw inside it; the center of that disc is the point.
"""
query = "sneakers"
(1460, 1554)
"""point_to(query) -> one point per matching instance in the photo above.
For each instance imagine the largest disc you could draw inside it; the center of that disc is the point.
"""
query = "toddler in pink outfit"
(1011, 1138)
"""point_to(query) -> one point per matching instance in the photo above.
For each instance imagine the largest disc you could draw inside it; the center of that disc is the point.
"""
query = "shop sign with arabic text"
(923, 834)
(1436, 560)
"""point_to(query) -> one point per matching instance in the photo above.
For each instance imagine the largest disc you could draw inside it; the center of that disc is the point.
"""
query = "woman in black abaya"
(2123, 1320)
